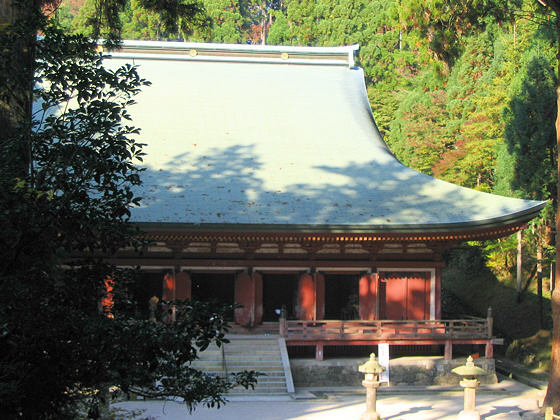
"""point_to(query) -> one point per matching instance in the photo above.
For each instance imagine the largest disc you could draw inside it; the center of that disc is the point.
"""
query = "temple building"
(268, 183)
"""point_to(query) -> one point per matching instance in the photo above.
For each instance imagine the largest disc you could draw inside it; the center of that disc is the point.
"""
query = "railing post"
(448, 353)
(319, 352)
(283, 327)
(490, 323)
(489, 351)
(224, 362)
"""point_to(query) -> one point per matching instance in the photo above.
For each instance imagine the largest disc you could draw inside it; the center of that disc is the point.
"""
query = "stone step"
(273, 370)
(257, 391)
(243, 391)
(240, 356)
(265, 356)
(232, 348)
(252, 343)
(233, 362)
(256, 363)
(259, 350)
(249, 358)
(263, 380)
(221, 372)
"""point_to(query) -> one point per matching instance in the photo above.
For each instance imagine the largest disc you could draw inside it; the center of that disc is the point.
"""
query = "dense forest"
(461, 90)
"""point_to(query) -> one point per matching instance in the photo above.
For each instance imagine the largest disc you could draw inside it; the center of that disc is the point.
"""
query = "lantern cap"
(469, 369)
(371, 366)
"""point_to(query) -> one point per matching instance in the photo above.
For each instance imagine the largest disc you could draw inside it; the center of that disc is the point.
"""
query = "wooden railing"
(473, 328)
(407, 332)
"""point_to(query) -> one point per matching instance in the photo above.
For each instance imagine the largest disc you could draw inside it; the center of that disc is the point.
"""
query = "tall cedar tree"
(552, 398)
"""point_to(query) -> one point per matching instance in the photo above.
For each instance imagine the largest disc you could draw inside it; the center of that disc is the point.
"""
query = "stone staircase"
(264, 354)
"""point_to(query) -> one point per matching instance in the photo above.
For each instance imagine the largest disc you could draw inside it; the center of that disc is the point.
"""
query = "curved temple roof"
(273, 139)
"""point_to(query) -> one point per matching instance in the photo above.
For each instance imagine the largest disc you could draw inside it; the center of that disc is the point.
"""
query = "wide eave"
(316, 234)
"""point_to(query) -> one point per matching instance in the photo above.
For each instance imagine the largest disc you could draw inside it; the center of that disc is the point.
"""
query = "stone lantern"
(469, 372)
(372, 369)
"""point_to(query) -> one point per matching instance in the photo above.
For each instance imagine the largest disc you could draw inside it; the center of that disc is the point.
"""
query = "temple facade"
(267, 183)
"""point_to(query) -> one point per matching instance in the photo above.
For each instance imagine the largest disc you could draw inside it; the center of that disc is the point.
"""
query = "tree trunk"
(552, 398)
(519, 264)
(7, 117)
(17, 84)
(539, 283)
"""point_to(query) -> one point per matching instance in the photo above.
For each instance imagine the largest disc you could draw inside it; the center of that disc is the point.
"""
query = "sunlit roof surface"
(279, 139)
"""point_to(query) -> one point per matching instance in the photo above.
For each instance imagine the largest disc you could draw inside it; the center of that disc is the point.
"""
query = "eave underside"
(152, 233)
(234, 250)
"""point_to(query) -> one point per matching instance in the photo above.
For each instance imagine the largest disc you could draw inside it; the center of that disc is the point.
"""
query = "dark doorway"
(217, 286)
(149, 284)
(278, 290)
(341, 296)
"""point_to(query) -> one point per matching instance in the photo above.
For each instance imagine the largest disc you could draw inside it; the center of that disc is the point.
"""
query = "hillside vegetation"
(470, 288)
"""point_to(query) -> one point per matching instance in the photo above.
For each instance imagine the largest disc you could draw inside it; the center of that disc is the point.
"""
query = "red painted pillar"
(306, 310)
(368, 297)
(177, 286)
(169, 293)
(249, 294)
(311, 297)
(169, 288)
(107, 299)
(438, 293)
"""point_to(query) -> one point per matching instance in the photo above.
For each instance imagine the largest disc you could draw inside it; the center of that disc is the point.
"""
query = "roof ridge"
(284, 54)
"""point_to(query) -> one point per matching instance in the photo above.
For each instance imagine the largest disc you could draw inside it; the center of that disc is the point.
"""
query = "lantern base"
(468, 415)
(370, 416)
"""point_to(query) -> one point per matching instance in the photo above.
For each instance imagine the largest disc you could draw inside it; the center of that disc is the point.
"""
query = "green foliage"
(138, 23)
(530, 132)
(278, 33)
(63, 17)
(501, 256)
(474, 116)
(146, 19)
(527, 159)
(64, 207)
(418, 135)
(445, 24)
(228, 25)
(384, 105)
